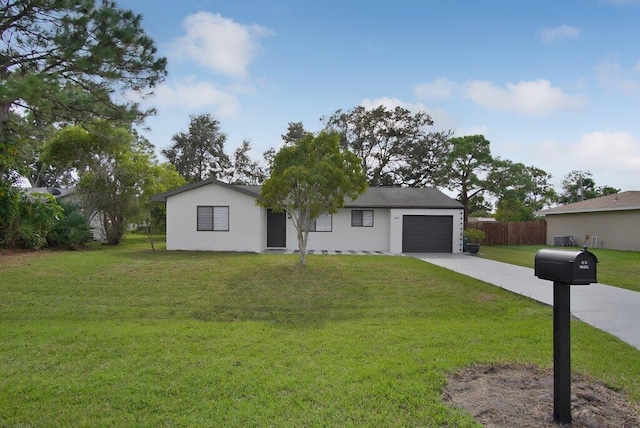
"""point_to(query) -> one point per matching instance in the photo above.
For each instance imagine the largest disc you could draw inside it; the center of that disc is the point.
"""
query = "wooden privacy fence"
(520, 233)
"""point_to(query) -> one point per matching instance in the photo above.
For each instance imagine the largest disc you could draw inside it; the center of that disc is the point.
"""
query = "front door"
(276, 229)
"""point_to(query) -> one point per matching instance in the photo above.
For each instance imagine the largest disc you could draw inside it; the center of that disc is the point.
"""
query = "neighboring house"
(610, 221)
(216, 216)
(65, 194)
(56, 192)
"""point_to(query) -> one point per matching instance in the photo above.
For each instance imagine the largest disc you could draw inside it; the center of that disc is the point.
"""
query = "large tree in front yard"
(309, 177)
(117, 172)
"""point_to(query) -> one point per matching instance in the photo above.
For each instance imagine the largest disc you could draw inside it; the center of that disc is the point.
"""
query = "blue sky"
(554, 84)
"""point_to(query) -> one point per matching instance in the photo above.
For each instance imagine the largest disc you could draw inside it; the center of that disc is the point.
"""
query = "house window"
(323, 223)
(213, 219)
(361, 218)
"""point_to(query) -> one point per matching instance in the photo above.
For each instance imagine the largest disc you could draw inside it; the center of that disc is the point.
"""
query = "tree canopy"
(310, 176)
(69, 60)
(245, 170)
(117, 173)
(380, 137)
(467, 164)
(199, 153)
(65, 62)
(580, 185)
(522, 191)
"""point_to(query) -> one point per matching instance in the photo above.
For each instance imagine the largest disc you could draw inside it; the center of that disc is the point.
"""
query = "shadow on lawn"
(290, 296)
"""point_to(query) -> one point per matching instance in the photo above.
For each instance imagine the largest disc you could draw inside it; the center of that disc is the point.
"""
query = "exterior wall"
(616, 230)
(396, 226)
(344, 237)
(95, 221)
(247, 221)
(248, 225)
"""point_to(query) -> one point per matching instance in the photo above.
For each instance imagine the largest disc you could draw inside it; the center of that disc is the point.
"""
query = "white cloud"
(441, 119)
(195, 95)
(219, 43)
(562, 32)
(391, 103)
(612, 76)
(535, 97)
(613, 157)
(610, 151)
(474, 130)
(440, 89)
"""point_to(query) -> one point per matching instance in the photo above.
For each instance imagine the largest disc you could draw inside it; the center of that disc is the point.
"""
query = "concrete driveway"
(614, 310)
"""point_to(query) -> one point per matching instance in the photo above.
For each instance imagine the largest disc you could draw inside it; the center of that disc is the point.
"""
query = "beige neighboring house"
(611, 221)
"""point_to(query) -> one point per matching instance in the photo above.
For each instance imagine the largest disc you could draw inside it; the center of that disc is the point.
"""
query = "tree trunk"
(5, 108)
(302, 246)
(149, 235)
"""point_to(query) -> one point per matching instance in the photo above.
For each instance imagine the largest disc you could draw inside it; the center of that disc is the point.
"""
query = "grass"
(617, 268)
(129, 337)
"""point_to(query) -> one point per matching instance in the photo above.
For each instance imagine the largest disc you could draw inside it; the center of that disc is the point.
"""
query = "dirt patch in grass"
(16, 257)
(522, 396)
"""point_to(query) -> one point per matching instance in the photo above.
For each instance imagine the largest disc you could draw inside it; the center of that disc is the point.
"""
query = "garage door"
(427, 234)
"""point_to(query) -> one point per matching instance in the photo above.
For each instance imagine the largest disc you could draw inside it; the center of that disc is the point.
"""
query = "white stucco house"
(216, 216)
(609, 221)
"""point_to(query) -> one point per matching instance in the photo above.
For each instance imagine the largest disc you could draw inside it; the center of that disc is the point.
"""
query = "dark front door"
(427, 234)
(276, 229)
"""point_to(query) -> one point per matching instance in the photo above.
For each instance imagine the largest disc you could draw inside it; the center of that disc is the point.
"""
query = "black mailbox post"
(564, 268)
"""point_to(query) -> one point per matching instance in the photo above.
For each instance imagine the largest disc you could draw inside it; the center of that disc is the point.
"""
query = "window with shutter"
(213, 219)
(323, 223)
(362, 218)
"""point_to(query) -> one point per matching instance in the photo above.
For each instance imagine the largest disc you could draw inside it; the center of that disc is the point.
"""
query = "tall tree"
(309, 177)
(31, 139)
(379, 137)
(64, 60)
(199, 153)
(116, 173)
(423, 161)
(521, 191)
(580, 185)
(68, 61)
(245, 170)
(267, 157)
(466, 167)
(295, 131)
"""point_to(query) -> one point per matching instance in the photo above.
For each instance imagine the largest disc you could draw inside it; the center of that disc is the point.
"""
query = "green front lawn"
(130, 337)
(617, 268)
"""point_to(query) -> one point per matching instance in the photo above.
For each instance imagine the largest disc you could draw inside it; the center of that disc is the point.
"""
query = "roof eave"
(412, 207)
(162, 197)
(584, 211)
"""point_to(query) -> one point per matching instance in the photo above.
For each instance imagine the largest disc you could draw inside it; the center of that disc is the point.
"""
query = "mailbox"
(569, 267)
(563, 268)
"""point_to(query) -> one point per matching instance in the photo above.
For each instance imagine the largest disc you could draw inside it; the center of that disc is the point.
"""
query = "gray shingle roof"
(374, 197)
(249, 190)
(403, 197)
(629, 200)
